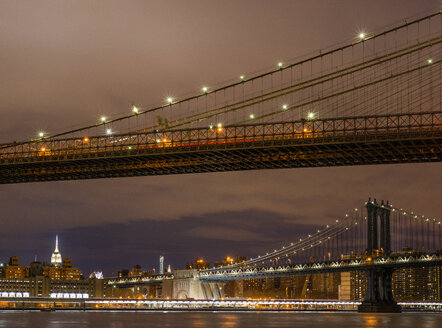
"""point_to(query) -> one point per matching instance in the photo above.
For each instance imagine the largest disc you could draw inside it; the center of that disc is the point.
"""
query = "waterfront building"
(124, 273)
(41, 286)
(15, 271)
(136, 272)
(230, 260)
(423, 284)
(199, 264)
(62, 273)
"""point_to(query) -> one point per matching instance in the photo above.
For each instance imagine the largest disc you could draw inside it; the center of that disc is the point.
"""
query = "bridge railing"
(230, 136)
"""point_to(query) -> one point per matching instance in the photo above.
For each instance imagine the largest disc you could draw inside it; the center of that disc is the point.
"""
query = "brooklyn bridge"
(374, 101)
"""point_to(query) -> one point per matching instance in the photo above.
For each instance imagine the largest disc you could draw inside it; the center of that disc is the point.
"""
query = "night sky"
(66, 63)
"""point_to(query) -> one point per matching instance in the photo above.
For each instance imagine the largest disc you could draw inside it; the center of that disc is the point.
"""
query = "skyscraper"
(56, 260)
(161, 264)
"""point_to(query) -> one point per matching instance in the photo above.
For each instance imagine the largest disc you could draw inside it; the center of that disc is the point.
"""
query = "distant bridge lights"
(205, 89)
(280, 64)
(362, 35)
(284, 107)
(86, 139)
(430, 61)
(41, 134)
(169, 100)
(311, 115)
(103, 119)
(135, 109)
(252, 116)
(108, 131)
(242, 77)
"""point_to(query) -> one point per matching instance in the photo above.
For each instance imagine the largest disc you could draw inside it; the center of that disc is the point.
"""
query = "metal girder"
(369, 140)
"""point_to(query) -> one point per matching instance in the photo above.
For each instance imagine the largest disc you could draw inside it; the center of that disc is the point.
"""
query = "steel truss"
(361, 140)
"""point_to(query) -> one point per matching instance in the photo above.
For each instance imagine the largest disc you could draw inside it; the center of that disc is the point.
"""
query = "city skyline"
(115, 224)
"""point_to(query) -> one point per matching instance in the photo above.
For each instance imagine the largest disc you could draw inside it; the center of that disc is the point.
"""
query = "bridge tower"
(379, 296)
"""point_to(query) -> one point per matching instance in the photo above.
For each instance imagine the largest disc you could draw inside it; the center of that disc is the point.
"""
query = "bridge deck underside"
(390, 148)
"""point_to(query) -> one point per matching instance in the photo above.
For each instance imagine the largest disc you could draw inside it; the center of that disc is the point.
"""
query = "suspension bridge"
(378, 240)
(375, 100)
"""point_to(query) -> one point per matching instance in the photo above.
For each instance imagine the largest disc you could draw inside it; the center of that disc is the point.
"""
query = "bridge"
(375, 100)
(378, 240)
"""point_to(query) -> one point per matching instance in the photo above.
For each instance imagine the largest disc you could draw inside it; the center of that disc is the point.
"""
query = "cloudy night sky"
(66, 63)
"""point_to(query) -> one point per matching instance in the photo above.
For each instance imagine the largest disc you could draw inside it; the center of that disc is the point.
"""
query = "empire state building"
(56, 260)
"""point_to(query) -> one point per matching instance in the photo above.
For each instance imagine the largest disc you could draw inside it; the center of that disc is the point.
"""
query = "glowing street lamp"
(280, 64)
(135, 109)
(430, 61)
(103, 119)
(41, 134)
(242, 77)
(108, 131)
(284, 107)
(205, 89)
(311, 115)
(252, 116)
(169, 100)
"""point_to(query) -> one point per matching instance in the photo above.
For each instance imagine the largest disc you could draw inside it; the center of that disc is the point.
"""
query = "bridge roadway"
(394, 262)
(225, 274)
(375, 139)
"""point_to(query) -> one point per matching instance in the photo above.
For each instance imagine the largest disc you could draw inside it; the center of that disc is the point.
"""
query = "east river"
(18, 319)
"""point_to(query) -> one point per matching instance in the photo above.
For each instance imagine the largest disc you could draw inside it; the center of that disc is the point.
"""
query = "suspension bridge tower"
(379, 296)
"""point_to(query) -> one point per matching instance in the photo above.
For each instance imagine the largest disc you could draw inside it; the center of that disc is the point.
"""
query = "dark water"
(216, 319)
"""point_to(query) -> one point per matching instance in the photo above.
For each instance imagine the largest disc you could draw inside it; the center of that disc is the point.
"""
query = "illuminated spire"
(56, 244)
(56, 256)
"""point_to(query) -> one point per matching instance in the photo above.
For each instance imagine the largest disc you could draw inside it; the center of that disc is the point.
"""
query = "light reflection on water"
(216, 319)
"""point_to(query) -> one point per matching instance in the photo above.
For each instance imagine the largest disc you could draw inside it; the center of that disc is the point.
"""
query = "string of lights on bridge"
(305, 243)
(205, 90)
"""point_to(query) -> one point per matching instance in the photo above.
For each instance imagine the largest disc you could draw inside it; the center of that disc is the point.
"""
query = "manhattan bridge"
(375, 100)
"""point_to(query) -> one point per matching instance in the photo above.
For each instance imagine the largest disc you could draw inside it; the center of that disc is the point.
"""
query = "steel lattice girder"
(380, 148)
